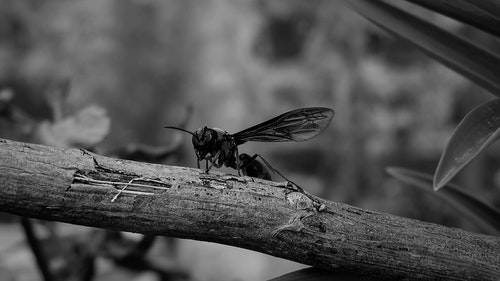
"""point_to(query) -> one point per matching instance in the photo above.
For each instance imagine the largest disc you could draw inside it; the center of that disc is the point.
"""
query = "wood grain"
(75, 186)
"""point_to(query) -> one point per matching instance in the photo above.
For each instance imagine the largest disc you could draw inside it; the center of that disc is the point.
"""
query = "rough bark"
(75, 186)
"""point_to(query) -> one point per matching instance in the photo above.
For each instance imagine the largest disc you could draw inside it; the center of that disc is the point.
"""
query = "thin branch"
(37, 249)
(75, 186)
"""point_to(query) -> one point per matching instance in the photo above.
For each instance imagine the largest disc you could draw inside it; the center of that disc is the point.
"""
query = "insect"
(218, 147)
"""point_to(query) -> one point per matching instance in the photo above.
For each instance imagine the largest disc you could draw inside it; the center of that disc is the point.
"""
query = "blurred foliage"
(480, 212)
(475, 61)
(145, 63)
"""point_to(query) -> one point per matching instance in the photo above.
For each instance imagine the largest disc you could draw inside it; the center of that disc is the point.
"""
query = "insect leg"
(270, 167)
(213, 162)
(244, 165)
(237, 155)
(290, 184)
(198, 162)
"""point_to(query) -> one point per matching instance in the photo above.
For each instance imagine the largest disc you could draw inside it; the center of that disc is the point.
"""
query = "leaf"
(317, 274)
(484, 14)
(84, 129)
(484, 215)
(479, 129)
(478, 65)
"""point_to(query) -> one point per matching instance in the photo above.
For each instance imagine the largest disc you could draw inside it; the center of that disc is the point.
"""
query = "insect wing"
(296, 125)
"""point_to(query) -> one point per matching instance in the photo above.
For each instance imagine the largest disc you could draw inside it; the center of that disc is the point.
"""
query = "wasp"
(218, 147)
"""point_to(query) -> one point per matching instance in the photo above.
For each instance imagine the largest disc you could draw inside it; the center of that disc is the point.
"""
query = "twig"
(40, 257)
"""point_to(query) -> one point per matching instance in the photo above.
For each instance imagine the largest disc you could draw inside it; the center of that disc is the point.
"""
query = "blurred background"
(107, 75)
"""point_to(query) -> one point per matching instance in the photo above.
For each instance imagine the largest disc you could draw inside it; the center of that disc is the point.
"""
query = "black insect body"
(214, 145)
(218, 147)
(251, 167)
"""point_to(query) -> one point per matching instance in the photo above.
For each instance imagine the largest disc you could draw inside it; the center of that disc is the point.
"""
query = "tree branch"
(75, 186)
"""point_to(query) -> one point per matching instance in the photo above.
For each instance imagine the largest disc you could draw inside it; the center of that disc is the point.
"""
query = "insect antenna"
(179, 129)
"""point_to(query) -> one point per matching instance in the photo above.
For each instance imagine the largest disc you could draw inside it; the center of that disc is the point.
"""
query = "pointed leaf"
(478, 65)
(484, 14)
(484, 215)
(479, 129)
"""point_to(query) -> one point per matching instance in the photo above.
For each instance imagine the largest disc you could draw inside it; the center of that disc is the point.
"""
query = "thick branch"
(75, 186)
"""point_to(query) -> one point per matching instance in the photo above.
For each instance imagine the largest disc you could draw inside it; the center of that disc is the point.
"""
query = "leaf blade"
(475, 63)
(484, 14)
(478, 130)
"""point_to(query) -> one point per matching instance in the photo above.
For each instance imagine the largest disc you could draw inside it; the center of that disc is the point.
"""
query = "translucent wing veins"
(296, 125)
